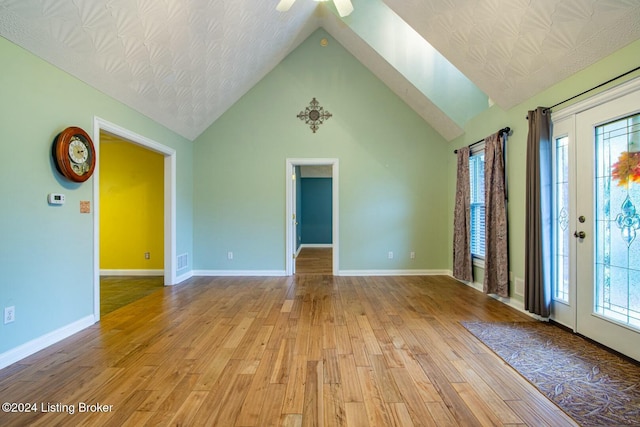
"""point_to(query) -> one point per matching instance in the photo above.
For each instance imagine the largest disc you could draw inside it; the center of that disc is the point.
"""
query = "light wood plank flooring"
(118, 291)
(314, 261)
(308, 350)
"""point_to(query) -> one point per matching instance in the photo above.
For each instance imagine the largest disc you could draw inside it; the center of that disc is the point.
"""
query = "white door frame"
(589, 323)
(290, 209)
(169, 202)
(295, 181)
(566, 122)
(564, 312)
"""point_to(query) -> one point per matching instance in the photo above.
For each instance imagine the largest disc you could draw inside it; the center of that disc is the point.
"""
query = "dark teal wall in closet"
(316, 221)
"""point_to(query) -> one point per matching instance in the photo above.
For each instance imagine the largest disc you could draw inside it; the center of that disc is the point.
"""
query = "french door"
(599, 229)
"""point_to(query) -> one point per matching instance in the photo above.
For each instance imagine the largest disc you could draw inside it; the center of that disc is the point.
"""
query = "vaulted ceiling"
(183, 63)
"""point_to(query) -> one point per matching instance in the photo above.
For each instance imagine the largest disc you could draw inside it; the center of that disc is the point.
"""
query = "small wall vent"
(519, 286)
(183, 261)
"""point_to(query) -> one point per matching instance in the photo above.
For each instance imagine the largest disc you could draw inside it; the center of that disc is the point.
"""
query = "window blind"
(477, 214)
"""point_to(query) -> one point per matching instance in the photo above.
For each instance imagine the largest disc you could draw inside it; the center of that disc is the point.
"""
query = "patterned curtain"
(462, 263)
(496, 259)
(537, 267)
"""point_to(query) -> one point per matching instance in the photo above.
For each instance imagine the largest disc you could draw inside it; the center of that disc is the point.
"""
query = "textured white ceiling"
(514, 49)
(183, 63)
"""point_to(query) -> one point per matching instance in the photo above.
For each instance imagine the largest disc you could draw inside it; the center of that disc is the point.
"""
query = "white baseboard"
(27, 349)
(186, 276)
(393, 273)
(518, 305)
(248, 273)
(105, 272)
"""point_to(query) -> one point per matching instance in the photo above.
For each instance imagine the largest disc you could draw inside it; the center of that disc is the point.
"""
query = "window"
(617, 253)
(560, 224)
(476, 175)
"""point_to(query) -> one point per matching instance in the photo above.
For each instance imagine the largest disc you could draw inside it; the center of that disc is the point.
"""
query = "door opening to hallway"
(293, 227)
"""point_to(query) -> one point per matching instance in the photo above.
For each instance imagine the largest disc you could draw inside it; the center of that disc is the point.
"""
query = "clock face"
(78, 150)
(74, 154)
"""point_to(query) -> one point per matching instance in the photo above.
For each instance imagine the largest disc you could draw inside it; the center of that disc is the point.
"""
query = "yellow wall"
(131, 207)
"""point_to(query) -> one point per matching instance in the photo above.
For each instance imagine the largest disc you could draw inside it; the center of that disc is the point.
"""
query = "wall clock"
(74, 154)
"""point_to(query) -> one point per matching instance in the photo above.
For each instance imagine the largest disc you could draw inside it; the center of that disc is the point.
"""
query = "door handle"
(579, 234)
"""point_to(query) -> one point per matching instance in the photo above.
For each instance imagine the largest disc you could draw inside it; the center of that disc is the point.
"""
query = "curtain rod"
(589, 90)
(501, 131)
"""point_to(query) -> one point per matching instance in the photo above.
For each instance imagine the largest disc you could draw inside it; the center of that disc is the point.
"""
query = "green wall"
(391, 173)
(496, 118)
(46, 252)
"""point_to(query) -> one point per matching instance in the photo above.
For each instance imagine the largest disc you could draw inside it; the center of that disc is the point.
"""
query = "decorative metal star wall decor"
(314, 115)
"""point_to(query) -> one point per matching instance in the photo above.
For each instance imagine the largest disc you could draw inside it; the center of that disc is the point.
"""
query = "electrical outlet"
(147, 255)
(390, 255)
(412, 255)
(9, 314)
(229, 255)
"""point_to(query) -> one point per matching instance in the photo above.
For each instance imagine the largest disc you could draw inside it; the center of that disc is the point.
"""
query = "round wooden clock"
(74, 154)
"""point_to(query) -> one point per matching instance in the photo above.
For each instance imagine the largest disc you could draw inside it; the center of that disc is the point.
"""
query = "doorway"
(169, 190)
(131, 222)
(597, 267)
(291, 228)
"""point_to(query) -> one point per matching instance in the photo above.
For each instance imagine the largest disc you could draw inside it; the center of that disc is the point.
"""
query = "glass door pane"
(617, 239)
(608, 239)
(560, 227)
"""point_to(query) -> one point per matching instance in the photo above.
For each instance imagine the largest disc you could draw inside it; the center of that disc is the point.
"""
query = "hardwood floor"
(307, 350)
(118, 291)
(314, 261)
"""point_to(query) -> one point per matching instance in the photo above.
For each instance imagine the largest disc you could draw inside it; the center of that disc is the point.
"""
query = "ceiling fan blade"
(344, 7)
(284, 5)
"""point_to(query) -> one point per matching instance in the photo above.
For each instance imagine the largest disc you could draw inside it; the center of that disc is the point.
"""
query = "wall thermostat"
(55, 199)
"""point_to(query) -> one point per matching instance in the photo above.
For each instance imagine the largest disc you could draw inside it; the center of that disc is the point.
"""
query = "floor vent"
(183, 261)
